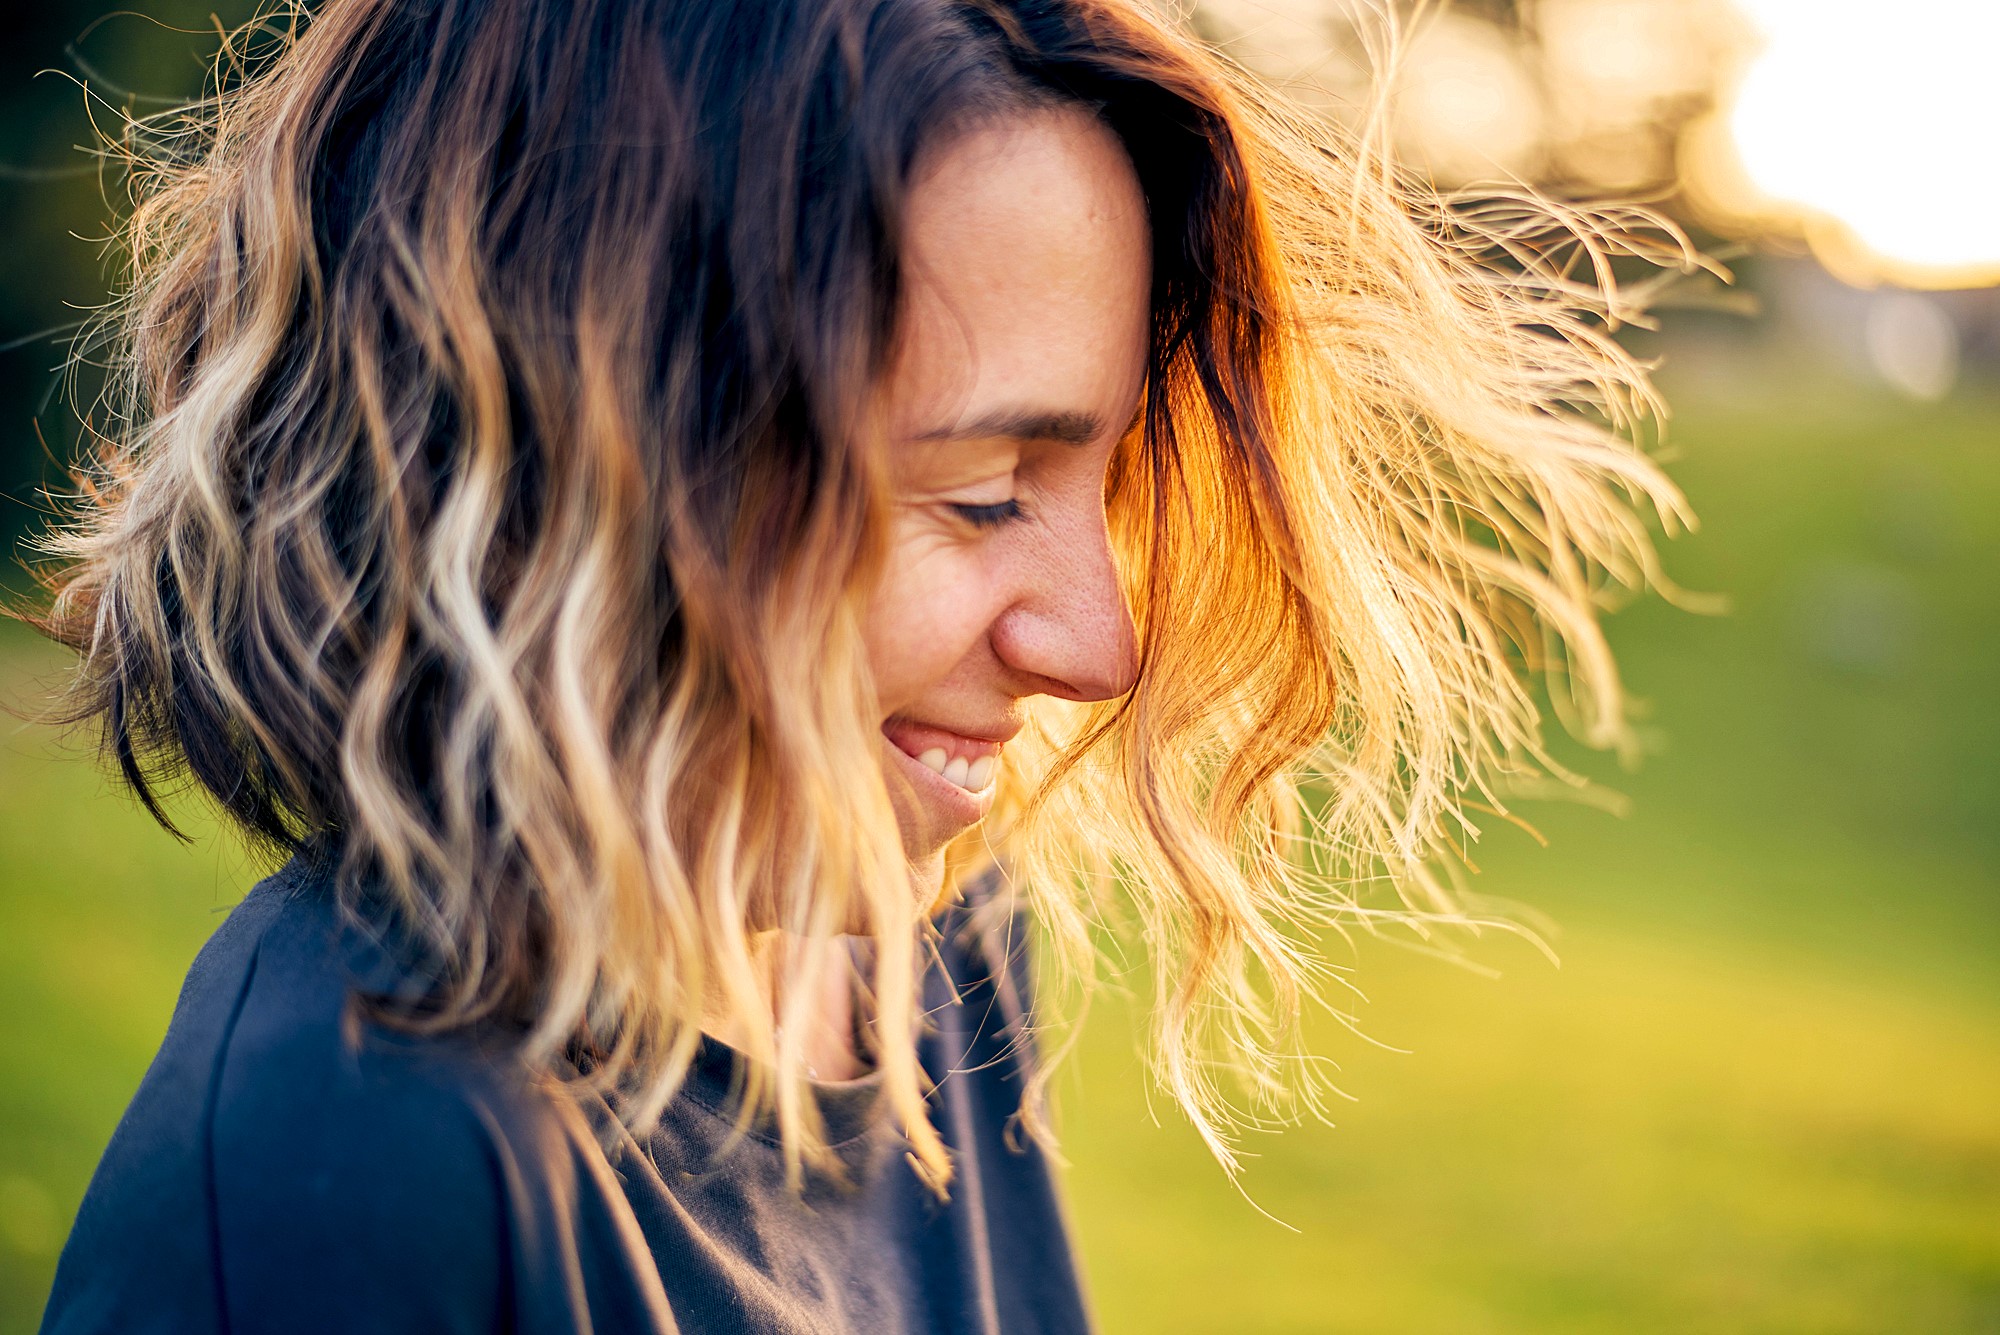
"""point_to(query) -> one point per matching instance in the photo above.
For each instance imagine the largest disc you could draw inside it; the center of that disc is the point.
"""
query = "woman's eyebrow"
(1070, 428)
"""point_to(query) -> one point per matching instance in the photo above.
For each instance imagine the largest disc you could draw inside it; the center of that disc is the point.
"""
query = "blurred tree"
(69, 70)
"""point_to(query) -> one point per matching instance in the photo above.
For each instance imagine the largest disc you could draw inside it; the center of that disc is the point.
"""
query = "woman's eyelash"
(990, 516)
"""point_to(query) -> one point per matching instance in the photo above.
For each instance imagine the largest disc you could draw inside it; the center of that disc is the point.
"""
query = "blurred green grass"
(1762, 1093)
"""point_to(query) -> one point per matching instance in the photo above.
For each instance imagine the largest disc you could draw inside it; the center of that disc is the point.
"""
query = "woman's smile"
(957, 771)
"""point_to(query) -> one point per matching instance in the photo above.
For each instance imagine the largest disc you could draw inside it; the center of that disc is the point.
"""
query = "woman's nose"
(1069, 627)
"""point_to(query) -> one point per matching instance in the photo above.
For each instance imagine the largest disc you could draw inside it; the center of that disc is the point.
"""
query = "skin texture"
(1021, 355)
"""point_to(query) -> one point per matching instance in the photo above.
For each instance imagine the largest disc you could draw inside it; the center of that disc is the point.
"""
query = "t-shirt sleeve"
(374, 1206)
(422, 1208)
(368, 1182)
(287, 1167)
(353, 1185)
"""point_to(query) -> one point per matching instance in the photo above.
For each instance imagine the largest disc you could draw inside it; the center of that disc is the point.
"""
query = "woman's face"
(1022, 350)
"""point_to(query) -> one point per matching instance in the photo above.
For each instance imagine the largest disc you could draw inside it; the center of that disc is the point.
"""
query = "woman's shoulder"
(287, 1164)
(271, 1019)
(338, 1151)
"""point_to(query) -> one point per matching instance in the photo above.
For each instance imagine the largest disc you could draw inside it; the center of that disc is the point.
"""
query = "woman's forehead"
(1027, 274)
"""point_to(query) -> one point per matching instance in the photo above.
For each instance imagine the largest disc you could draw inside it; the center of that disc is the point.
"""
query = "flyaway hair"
(485, 491)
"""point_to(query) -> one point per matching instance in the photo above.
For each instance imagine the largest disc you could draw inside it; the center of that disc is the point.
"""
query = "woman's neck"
(831, 1042)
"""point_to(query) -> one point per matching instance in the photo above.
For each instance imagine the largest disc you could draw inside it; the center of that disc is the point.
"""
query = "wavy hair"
(484, 489)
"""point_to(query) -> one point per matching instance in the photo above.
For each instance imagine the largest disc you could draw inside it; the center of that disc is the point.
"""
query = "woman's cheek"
(935, 602)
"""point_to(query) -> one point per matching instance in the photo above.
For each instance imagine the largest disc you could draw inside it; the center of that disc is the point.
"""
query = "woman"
(680, 517)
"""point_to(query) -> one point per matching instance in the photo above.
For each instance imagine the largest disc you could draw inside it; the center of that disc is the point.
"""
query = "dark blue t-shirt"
(287, 1167)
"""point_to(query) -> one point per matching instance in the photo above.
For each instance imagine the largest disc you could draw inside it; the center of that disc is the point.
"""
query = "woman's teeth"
(971, 775)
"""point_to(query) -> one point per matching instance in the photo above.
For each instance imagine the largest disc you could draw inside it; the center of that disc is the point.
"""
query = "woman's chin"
(927, 881)
(925, 839)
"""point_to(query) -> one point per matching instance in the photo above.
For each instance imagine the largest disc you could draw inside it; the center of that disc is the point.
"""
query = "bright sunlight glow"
(1884, 116)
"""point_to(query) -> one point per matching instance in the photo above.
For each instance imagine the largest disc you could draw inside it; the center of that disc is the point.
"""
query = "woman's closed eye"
(989, 515)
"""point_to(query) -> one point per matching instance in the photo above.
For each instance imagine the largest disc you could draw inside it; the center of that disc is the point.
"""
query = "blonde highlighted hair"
(483, 491)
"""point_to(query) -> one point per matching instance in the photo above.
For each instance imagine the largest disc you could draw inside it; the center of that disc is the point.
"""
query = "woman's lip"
(913, 739)
(962, 807)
